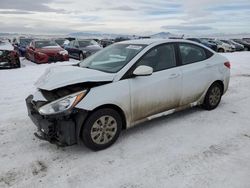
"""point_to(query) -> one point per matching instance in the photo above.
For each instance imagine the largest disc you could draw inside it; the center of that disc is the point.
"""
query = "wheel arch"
(220, 83)
(202, 98)
(89, 112)
(221, 49)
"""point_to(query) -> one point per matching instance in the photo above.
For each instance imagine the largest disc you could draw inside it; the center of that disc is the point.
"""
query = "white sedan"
(123, 85)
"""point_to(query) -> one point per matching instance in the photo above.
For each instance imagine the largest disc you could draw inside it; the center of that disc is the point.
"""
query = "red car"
(45, 51)
(9, 58)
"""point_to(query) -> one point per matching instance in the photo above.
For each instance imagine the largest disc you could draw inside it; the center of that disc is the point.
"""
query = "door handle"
(175, 75)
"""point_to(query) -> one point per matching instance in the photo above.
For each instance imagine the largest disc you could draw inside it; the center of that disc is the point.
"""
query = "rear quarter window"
(191, 53)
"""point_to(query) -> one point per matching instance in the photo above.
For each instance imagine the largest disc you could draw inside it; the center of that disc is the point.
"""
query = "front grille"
(54, 58)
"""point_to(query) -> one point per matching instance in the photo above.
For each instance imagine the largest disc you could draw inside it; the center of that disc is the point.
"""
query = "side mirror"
(143, 70)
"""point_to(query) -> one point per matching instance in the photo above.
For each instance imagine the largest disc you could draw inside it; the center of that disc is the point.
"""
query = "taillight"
(227, 64)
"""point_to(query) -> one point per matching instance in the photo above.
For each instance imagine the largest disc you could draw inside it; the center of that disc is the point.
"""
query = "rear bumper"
(61, 129)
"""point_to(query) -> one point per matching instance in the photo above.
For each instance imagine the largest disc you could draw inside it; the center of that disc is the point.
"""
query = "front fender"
(115, 93)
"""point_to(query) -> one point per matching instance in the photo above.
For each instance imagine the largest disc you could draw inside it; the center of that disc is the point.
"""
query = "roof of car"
(39, 40)
(151, 41)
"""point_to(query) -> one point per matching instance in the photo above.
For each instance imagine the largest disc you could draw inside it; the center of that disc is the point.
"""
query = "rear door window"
(191, 53)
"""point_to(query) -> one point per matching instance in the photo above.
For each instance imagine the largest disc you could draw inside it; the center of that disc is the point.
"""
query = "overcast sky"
(125, 16)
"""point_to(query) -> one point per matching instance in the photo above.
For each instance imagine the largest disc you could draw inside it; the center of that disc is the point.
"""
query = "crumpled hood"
(60, 76)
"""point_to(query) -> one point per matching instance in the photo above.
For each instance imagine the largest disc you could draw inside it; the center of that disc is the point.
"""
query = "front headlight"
(64, 52)
(62, 104)
(40, 53)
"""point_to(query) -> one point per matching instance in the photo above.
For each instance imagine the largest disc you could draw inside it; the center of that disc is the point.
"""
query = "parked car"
(60, 41)
(120, 39)
(106, 42)
(223, 47)
(246, 39)
(9, 58)
(20, 45)
(45, 51)
(244, 43)
(238, 47)
(229, 43)
(205, 43)
(123, 85)
(82, 48)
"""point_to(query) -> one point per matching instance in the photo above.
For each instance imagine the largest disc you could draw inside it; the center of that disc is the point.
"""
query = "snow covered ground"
(193, 148)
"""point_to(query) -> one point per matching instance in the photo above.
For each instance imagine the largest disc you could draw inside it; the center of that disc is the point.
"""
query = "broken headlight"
(62, 104)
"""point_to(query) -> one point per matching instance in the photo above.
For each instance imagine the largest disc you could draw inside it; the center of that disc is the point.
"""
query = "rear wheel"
(81, 56)
(18, 63)
(101, 129)
(213, 97)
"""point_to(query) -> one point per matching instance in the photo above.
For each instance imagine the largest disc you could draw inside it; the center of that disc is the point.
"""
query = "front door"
(160, 91)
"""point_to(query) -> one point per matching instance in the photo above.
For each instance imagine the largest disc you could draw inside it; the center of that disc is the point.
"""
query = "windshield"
(219, 42)
(85, 43)
(112, 58)
(45, 43)
(60, 41)
(225, 41)
(204, 41)
(25, 42)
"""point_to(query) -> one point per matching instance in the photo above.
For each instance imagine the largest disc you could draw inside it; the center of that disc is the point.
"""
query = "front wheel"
(101, 129)
(18, 63)
(221, 50)
(213, 97)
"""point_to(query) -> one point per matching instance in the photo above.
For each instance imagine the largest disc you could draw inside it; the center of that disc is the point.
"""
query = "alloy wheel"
(103, 130)
(215, 96)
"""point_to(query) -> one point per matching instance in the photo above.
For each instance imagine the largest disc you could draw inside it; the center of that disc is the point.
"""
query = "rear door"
(197, 71)
(160, 91)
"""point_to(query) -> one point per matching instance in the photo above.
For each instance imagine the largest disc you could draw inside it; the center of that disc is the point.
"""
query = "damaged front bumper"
(6, 65)
(62, 129)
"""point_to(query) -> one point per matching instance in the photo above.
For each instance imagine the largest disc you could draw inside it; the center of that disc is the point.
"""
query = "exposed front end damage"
(9, 59)
(63, 128)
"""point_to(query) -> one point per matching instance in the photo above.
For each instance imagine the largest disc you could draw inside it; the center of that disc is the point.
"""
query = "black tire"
(221, 50)
(18, 65)
(81, 56)
(89, 129)
(26, 56)
(213, 97)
